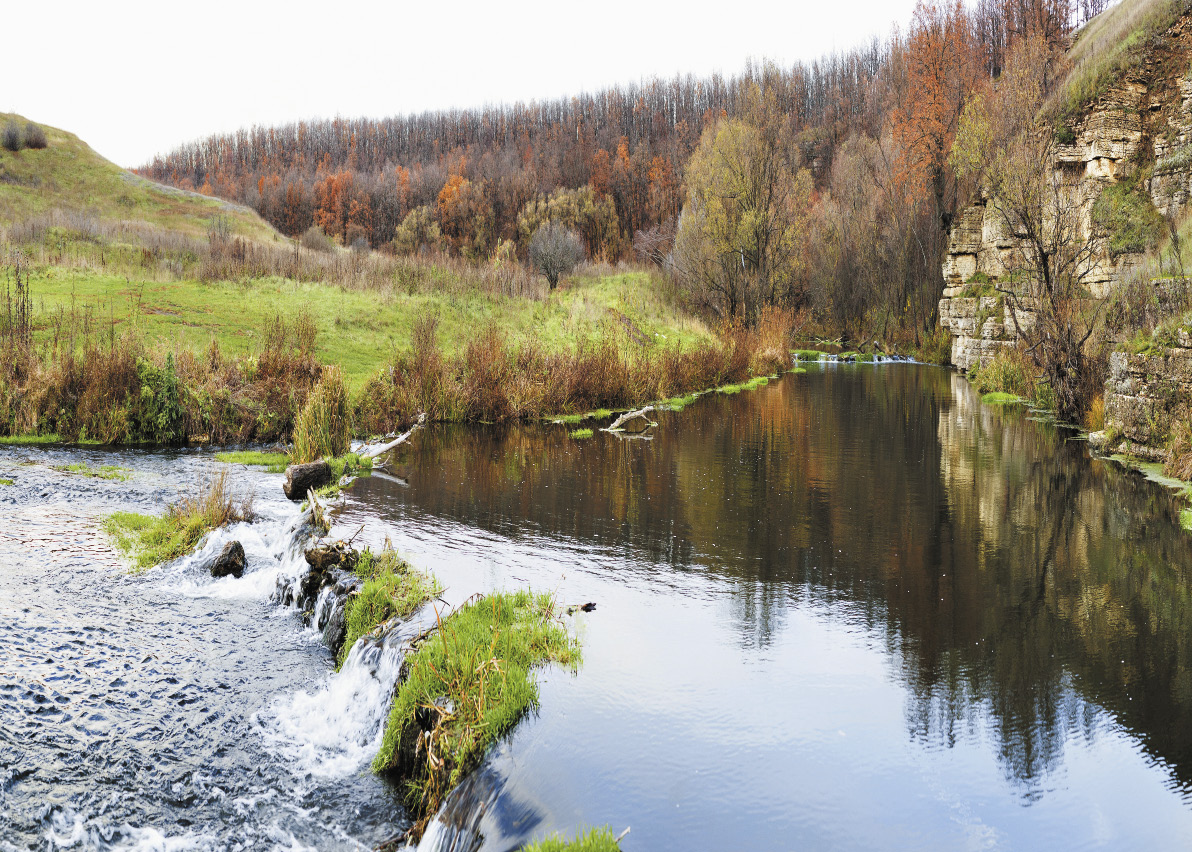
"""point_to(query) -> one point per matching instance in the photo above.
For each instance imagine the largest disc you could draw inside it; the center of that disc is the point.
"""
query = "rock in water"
(300, 478)
(230, 562)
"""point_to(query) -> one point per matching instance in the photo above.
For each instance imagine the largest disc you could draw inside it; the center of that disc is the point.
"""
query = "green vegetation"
(678, 403)
(1000, 398)
(105, 471)
(324, 426)
(593, 840)
(272, 462)
(755, 382)
(392, 588)
(580, 434)
(67, 174)
(8, 482)
(808, 354)
(1108, 46)
(1126, 215)
(147, 540)
(29, 439)
(480, 658)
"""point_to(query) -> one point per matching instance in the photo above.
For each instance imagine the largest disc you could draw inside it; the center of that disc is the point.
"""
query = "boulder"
(301, 478)
(230, 562)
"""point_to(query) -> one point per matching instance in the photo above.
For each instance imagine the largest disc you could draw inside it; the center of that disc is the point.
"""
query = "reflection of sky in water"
(780, 655)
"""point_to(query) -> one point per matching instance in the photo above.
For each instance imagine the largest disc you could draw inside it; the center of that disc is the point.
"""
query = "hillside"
(68, 175)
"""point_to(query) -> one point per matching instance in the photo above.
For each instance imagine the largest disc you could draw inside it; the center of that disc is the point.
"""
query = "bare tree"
(555, 250)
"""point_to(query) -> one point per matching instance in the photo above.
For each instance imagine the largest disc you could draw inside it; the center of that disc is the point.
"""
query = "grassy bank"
(147, 540)
(392, 589)
(480, 658)
(593, 840)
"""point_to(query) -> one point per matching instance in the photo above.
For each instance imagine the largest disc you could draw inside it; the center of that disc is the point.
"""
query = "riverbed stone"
(301, 478)
(231, 561)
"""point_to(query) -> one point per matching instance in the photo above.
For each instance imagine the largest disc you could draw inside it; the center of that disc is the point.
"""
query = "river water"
(855, 609)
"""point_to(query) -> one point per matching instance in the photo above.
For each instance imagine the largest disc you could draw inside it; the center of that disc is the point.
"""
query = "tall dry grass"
(496, 379)
(324, 426)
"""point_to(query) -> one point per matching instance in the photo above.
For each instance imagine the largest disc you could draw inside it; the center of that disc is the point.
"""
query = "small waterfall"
(336, 729)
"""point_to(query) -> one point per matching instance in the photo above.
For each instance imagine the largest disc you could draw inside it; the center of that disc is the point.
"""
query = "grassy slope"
(358, 328)
(69, 175)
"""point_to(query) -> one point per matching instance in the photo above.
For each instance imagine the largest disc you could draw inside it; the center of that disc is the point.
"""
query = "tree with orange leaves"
(943, 63)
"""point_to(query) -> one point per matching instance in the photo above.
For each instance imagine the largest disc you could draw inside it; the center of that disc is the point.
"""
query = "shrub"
(316, 239)
(1129, 221)
(554, 251)
(35, 137)
(324, 426)
(11, 138)
(1007, 373)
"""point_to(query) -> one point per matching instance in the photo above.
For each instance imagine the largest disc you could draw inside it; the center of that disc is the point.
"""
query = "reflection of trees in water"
(1015, 581)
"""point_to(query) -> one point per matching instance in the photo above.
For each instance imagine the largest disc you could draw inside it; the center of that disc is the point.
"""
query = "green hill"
(68, 175)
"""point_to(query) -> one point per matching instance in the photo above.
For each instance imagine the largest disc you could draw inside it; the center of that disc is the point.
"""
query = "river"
(854, 609)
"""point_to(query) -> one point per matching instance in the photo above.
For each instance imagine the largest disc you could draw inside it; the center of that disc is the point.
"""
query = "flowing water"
(855, 609)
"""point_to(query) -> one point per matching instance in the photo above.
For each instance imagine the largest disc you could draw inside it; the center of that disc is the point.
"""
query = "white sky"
(138, 78)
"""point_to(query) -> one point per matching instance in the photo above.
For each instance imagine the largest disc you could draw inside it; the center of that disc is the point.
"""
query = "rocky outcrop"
(1143, 396)
(322, 593)
(1143, 122)
(980, 326)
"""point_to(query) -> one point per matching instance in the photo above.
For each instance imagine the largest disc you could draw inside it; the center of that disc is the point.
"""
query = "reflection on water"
(854, 609)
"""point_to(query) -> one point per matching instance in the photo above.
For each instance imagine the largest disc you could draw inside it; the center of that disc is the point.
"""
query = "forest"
(824, 187)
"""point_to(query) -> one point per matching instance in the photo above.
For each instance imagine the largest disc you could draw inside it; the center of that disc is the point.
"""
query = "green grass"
(755, 382)
(29, 439)
(1001, 398)
(358, 329)
(69, 175)
(593, 840)
(272, 462)
(808, 354)
(391, 589)
(678, 403)
(147, 540)
(8, 482)
(580, 434)
(105, 471)
(481, 657)
(1105, 48)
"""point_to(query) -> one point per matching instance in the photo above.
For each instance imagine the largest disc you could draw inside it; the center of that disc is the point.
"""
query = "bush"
(35, 137)
(11, 138)
(555, 250)
(324, 426)
(1128, 220)
(315, 239)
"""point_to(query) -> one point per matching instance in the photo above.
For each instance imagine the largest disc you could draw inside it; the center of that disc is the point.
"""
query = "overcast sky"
(137, 78)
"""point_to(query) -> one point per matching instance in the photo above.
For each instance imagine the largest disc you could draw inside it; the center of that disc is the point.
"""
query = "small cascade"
(336, 729)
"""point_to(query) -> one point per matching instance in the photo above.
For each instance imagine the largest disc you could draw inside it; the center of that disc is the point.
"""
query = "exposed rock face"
(231, 561)
(980, 327)
(1144, 394)
(301, 478)
(1144, 118)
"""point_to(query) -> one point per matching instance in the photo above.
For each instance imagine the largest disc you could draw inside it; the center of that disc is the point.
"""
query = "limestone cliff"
(1141, 128)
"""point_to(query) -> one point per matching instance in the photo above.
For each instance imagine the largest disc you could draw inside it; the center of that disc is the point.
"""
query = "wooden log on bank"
(373, 452)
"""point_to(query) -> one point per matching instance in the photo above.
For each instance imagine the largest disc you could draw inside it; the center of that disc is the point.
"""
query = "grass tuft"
(1001, 398)
(580, 434)
(147, 540)
(392, 588)
(272, 462)
(105, 471)
(324, 426)
(481, 658)
(592, 840)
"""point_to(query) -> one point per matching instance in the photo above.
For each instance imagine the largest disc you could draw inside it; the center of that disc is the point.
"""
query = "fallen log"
(619, 424)
(373, 452)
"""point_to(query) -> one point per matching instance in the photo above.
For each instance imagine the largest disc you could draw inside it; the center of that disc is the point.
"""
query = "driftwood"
(373, 452)
(618, 424)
